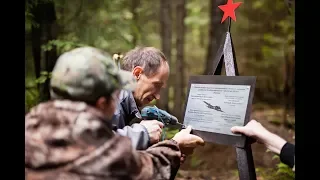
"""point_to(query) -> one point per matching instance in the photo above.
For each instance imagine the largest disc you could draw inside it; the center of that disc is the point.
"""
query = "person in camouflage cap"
(70, 136)
(85, 74)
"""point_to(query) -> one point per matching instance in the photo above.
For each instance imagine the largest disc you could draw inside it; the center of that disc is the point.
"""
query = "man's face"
(148, 87)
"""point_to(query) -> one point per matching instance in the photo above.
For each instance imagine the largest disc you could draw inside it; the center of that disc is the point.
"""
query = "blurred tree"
(166, 45)
(216, 32)
(289, 76)
(43, 30)
(135, 27)
(265, 35)
(261, 35)
(179, 79)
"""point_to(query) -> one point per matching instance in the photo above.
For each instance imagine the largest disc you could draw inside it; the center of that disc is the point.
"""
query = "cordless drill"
(154, 113)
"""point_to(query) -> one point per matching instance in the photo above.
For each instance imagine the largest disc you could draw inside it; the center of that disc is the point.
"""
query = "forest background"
(189, 33)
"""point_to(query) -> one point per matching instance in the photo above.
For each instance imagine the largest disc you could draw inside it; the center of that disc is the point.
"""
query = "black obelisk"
(226, 54)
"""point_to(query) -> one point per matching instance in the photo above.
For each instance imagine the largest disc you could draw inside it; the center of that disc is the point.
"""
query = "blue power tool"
(154, 113)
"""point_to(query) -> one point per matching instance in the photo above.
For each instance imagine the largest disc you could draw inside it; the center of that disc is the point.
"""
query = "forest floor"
(218, 162)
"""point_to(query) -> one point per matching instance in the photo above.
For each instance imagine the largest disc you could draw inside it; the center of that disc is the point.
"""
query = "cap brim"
(128, 81)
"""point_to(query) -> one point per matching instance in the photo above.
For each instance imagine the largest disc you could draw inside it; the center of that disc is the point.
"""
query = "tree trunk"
(216, 30)
(50, 56)
(36, 50)
(180, 32)
(135, 26)
(45, 16)
(202, 37)
(289, 85)
(166, 36)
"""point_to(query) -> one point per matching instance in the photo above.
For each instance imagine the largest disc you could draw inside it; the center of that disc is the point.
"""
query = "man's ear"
(137, 71)
(107, 106)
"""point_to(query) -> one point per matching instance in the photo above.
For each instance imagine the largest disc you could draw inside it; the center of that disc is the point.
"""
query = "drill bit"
(182, 125)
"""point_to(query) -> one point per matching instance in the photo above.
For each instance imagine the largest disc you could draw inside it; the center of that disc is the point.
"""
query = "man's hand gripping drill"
(152, 112)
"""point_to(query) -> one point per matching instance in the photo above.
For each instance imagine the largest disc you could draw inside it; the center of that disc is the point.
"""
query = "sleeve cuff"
(147, 135)
(287, 154)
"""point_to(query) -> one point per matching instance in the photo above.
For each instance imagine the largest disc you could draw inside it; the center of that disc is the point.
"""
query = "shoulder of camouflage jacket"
(64, 140)
(116, 159)
(113, 159)
(60, 131)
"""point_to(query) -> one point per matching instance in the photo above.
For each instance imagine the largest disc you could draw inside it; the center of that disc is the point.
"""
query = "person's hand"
(255, 130)
(186, 141)
(154, 128)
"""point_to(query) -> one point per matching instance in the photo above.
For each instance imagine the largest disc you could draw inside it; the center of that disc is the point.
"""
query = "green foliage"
(42, 79)
(29, 18)
(107, 24)
(29, 22)
(32, 95)
(62, 46)
(195, 161)
(285, 170)
(170, 132)
(262, 32)
(276, 122)
(280, 172)
(31, 98)
(265, 33)
(197, 17)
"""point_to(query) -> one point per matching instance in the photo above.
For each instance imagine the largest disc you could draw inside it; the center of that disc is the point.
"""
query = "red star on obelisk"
(229, 9)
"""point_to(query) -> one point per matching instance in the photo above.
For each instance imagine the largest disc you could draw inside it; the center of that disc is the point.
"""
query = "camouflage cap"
(87, 73)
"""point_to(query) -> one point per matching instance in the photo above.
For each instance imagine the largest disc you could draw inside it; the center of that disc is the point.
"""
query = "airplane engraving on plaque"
(210, 106)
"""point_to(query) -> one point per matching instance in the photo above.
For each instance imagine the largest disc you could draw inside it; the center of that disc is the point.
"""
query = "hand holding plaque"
(256, 131)
(186, 141)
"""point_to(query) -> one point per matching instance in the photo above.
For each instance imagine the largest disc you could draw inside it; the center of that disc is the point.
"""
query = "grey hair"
(149, 58)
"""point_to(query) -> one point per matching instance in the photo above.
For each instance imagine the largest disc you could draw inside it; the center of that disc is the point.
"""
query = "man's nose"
(157, 96)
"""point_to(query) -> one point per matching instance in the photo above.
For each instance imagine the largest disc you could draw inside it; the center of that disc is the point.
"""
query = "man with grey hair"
(150, 68)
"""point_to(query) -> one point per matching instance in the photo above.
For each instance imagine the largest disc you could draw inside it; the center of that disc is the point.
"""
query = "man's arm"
(124, 114)
(138, 135)
(142, 134)
(117, 159)
(272, 141)
(159, 160)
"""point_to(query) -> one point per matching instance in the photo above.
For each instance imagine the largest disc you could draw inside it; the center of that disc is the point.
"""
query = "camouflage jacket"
(71, 140)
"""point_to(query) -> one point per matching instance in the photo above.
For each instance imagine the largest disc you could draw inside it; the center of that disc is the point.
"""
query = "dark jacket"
(67, 140)
(126, 112)
(287, 155)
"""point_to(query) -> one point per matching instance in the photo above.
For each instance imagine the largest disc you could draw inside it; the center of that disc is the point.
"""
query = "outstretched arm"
(272, 141)
(117, 159)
